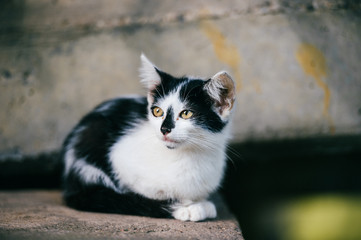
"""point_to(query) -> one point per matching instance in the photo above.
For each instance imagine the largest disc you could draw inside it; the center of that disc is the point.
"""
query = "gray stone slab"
(41, 215)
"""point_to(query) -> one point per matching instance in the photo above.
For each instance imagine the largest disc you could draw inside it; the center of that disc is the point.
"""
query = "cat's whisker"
(185, 92)
(203, 143)
(234, 152)
(156, 89)
(161, 84)
(231, 160)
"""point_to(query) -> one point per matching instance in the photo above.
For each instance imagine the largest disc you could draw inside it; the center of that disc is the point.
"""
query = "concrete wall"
(296, 63)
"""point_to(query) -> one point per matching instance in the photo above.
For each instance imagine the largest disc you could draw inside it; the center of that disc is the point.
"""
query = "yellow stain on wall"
(225, 50)
(313, 63)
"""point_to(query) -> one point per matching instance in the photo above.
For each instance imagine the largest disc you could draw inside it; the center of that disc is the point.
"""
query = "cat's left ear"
(148, 73)
(221, 89)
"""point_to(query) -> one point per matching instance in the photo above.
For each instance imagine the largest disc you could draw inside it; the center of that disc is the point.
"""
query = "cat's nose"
(165, 130)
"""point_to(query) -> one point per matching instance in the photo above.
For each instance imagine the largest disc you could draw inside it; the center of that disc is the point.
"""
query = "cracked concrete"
(41, 214)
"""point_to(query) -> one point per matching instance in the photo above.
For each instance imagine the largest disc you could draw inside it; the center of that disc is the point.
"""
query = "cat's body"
(159, 156)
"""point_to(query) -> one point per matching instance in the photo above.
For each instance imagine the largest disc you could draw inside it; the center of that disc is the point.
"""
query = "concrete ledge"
(40, 214)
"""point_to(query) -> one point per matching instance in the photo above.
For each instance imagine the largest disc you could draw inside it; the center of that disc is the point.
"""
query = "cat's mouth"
(170, 143)
(167, 139)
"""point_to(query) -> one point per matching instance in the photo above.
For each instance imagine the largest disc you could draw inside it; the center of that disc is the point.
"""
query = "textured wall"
(296, 63)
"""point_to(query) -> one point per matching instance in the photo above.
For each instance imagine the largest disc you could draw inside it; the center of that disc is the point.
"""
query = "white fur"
(93, 175)
(87, 172)
(214, 87)
(189, 172)
(148, 75)
(104, 107)
(195, 212)
(183, 173)
(69, 151)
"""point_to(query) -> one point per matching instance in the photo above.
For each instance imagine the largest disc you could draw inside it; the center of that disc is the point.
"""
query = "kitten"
(158, 156)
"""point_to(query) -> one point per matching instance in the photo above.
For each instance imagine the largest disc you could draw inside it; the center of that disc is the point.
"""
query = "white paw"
(202, 210)
(181, 213)
(195, 212)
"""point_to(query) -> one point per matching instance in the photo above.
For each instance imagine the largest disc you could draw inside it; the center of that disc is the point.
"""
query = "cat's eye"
(185, 114)
(157, 112)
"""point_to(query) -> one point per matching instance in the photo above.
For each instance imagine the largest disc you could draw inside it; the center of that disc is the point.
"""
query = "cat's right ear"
(148, 73)
(221, 89)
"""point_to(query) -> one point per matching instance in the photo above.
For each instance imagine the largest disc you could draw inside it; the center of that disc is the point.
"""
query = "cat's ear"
(148, 73)
(222, 90)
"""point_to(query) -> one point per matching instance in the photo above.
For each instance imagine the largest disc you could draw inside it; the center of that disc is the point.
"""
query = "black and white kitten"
(158, 156)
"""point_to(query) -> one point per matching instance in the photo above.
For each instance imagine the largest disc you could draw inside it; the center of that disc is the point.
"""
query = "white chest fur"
(143, 164)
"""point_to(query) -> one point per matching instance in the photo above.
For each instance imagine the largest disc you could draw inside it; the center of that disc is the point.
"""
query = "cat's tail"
(40, 171)
(101, 199)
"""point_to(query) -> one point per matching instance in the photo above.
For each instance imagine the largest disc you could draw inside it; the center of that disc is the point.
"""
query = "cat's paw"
(202, 210)
(196, 212)
(182, 214)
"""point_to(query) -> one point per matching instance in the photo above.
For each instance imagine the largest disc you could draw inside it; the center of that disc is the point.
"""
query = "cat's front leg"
(195, 211)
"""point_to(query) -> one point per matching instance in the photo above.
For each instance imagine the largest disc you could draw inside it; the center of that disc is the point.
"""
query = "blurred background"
(295, 159)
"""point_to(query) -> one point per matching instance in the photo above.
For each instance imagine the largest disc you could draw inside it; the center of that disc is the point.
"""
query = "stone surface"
(42, 215)
(296, 63)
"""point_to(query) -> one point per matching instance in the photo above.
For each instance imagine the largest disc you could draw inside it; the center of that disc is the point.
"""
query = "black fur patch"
(168, 84)
(199, 102)
(168, 123)
(103, 128)
(97, 198)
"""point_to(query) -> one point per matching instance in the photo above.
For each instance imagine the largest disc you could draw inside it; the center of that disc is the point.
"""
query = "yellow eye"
(186, 114)
(157, 112)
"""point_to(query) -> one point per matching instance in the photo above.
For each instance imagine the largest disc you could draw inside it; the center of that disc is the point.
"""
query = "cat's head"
(187, 111)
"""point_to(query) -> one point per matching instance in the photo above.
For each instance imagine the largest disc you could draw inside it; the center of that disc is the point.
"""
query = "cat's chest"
(151, 169)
